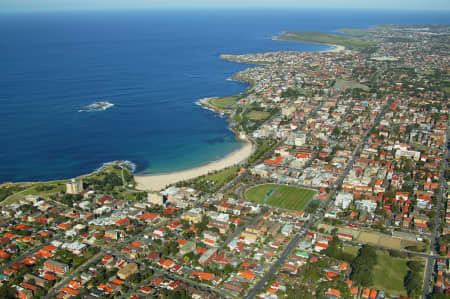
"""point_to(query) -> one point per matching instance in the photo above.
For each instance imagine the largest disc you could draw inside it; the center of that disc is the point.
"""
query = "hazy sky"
(11, 5)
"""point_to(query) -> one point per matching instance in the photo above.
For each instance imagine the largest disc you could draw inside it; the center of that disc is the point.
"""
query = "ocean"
(153, 65)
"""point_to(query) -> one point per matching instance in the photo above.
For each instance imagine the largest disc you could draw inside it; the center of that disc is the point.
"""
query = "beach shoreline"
(336, 49)
(157, 182)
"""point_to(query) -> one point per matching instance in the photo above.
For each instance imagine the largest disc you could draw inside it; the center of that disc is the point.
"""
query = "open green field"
(389, 273)
(343, 84)
(213, 181)
(281, 196)
(258, 115)
(356, 31)
(383, 240)
(224, 102)
(352, 250)
(223, 176)
(349, 41)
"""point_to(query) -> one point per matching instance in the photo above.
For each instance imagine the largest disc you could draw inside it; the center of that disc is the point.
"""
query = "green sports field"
(281, 196)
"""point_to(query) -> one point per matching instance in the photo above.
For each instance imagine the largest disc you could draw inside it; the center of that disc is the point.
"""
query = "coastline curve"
(158, 182)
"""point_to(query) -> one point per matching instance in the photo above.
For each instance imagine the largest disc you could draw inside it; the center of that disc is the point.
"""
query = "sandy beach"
(159, 182)
(337, 48)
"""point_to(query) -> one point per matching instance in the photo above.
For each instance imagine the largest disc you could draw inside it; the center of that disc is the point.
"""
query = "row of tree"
(413, 280)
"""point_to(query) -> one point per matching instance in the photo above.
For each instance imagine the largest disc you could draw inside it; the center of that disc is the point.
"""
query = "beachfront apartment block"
(155, 198)
(74, 186)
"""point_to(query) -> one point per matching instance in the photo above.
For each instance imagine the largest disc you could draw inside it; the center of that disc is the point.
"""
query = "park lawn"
(263, 146)
(126, 193)
(223, 176)
(220, 177)
(258, 193)
(446, 89)
(224, 102)
(389, 273)
(285, 197)
(343, 84)
(352, 250)
(258, 115)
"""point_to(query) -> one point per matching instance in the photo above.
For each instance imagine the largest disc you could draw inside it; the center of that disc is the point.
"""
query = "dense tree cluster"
(291, 93)
(334, 250)
(413, 280)
(362, 266)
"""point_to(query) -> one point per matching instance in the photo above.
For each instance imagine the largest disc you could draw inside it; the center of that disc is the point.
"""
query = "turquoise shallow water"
(153, 65)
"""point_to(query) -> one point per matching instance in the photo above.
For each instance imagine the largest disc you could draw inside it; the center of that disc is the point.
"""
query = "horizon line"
(89, 9)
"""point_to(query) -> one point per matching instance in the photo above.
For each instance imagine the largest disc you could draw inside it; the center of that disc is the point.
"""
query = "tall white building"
(74, 186)
(343, 200)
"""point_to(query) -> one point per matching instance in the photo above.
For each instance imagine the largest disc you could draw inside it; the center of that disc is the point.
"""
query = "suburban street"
(435, 234)
(73, 273)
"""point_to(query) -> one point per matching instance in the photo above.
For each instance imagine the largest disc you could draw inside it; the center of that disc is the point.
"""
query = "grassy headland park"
(224, 102)
(356, 31)
(352, 42)
(109, 180)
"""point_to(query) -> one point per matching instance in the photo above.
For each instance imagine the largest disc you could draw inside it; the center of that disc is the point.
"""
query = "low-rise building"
(56, 267)
(127, 270)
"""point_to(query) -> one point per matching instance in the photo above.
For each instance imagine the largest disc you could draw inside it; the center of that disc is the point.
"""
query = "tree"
(333, 248)
(7, 292)
(173, 247)
(413, 284)
(291, 93)
(395, 253)
(439, 296)
(299, 292)
(125, 288)
(415, 266)
(182, 294)
(336, 132)
(362, 266)
(40, 293)
(135, 278)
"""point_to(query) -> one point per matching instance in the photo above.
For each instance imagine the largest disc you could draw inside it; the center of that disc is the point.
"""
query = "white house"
(366, 205)
(160, 232)
(343, 200)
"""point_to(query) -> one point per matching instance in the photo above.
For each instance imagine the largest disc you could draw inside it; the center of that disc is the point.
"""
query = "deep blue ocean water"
(153, 65)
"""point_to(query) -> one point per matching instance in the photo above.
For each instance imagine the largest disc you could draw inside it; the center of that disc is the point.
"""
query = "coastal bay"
(158, 182)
